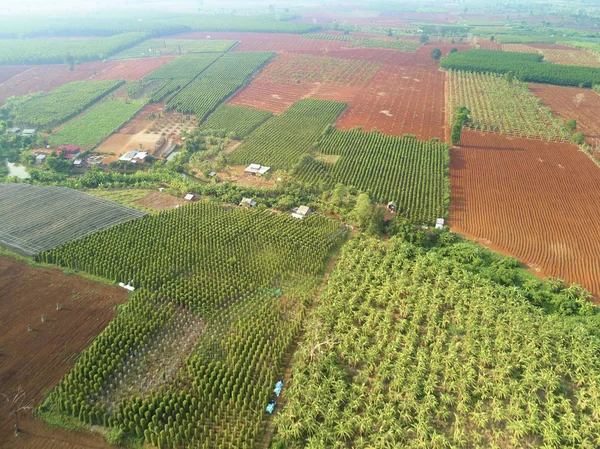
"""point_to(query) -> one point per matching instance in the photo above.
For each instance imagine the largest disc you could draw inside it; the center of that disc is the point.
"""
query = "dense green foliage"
(239, 121)
(97, 123)
(283, 140)
(501, 103)
(176, 74)
(216, 83)
(410, 172)
(415, 348)
(221, 263)
(462, 118)
(163, 47)
(61, 104)
(53, 51)
(526, 67)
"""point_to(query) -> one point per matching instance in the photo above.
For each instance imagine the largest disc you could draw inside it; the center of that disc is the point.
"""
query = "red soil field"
(486, 44)
(538, 201)
(573, 103)
(8, 72)
(48, 77)
(553, 47)
(37, 360)
(399, 100)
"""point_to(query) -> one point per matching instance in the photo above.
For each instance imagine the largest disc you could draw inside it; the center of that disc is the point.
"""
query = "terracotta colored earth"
(37, 360)
(48, 77)
(572, 57)
(538, 201)
(554, 47)
(7, 73)
(160, 201)
(573, 103)
(486, 44)
(399, 100)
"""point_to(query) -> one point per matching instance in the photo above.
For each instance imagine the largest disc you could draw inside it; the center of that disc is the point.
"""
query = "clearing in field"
(37, 360)
(48, 77)
(415, 348)
(59, 105)
(238, 121)
(36, 218)
(397, 101)
(573, 103)
(410, 172)
(96, 124)
(224, 284)
(538, 201)
(281, 141)
(169, 47)
(291, 77)
(500, 104)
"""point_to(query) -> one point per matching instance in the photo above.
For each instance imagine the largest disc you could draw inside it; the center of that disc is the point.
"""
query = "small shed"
(40, 158)
(257, 169)
(248, 202)
(392, 206)
(78, 163)
(212, 174)
(28, 132)
(301, 212)
(15, 130)
(189, 197)
(439, 223)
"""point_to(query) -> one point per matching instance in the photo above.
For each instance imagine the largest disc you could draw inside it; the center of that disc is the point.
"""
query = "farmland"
(348, 386)
(59, 105)
(237, 120)
(41, 51)
(169, 47)
(295, 131)
(240, 323)
(39, 218)
(215, 84)
(506, 106)
(398, 44)
(97, 123)
(535, 204)
(409, 172)
(37, 360)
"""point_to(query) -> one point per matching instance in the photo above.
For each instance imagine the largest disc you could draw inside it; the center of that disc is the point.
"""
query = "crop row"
(283, 140)
(220, 263)
(397, 44)
(53, 51)
(526, 67)
(500, 104)
(237, 120)
(410, 172)
(219, 81)
(61, 104)
(97, 123)
(162, 47)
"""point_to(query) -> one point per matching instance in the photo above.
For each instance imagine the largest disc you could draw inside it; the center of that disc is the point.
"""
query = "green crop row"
(237, 120)
(165, 47)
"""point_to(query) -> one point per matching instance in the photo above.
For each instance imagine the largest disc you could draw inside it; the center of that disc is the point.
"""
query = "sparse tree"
(424, 38)
(578, 138)
(15, 402)
(436, 54)
(571, 125)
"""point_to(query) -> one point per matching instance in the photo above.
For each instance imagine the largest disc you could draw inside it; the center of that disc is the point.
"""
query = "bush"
(578, 138)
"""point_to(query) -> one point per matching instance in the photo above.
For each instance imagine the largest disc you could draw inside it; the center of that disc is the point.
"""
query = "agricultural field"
(415, 348)
(281, 142)
(64, 103)
(535, 204)
(216, 83)
(572, 57)
(503, 105)
(393, 44)
(573, 103)
(37, 218)
(236, 120)
(45, 78)
(397, 101)
(37, 360)
(410, 172)
(527, 67)
(519, 48)
(291, 77)
(96, 124)
(53, 51)
(169, 47)
(220, 306)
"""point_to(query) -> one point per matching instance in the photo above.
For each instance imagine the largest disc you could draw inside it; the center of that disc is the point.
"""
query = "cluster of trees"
(462, 118)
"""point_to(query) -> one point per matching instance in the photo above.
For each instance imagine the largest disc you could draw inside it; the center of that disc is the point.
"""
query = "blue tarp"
(271, 407)
(278, 388)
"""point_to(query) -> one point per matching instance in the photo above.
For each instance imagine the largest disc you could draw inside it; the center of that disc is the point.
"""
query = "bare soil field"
(568, 103)
(38, 435)
(486, 44)
(8, 72)
(572, 57)
(538, 201)
(160, 201)
(48, 77)
(519, 48)
(37, 360)
(553, 47)
(399, 100)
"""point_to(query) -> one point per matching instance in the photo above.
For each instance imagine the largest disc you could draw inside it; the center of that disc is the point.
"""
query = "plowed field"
(572, 57)
(7, 73)
(399, 100)
(37, 360)
(567, 103)
(48, 77)
(538, 201)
